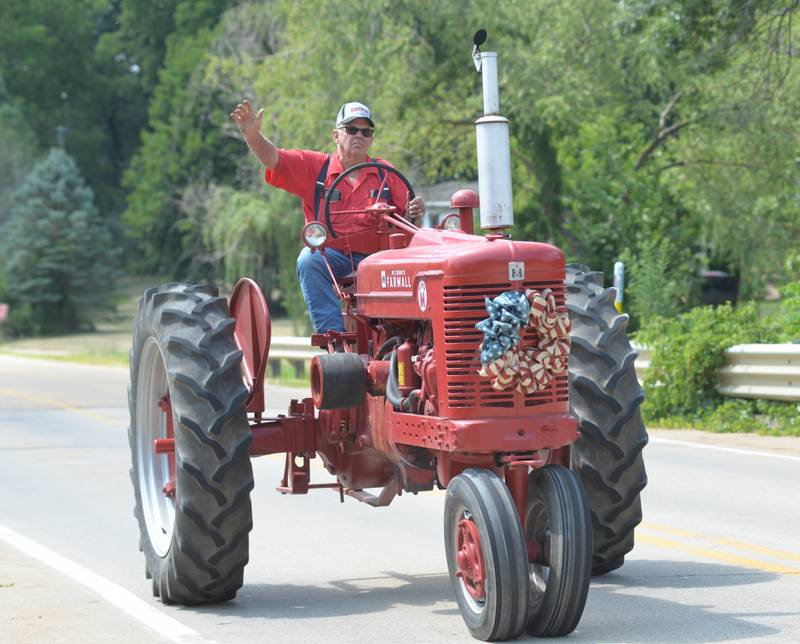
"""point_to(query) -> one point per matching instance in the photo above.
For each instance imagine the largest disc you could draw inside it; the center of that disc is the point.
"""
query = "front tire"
(193, 504)
(557, 519)
(486, 555)
(605, 396)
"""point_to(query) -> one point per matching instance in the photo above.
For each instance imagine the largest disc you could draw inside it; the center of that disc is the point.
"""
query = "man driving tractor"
(308, 174)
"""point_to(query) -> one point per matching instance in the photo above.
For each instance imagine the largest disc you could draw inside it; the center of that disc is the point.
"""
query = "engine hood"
(390, 281)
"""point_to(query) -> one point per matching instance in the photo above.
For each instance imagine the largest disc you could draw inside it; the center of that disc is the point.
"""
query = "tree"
(630, 121)
(18, 147)
(59, 264)
(183, 143)
(46, 58)
(82, 73)
(253, 234)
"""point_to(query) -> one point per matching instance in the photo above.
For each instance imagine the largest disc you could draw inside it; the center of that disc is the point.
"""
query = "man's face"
(356, 144)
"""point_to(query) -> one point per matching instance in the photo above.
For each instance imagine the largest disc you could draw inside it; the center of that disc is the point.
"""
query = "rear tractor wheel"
(605, 396)
(189, 441)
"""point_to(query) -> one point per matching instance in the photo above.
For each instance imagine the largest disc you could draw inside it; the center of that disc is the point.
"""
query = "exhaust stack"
(494, 151)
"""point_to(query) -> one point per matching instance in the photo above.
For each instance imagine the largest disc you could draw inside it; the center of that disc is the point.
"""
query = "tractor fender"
(253, 332)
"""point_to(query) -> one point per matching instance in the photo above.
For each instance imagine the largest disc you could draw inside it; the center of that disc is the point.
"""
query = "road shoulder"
(787, 445)
(38, 604)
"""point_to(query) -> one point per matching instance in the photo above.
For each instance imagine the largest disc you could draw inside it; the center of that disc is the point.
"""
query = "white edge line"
(733, 450)
(148, 615)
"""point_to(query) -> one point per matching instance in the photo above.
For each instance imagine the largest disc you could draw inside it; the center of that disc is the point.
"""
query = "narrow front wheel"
(559, 529)
(486, 555)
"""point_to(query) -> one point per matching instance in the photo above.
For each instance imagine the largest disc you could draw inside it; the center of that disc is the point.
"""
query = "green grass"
(100, 347)
(738, 415)
(105, 359)
(107, 345)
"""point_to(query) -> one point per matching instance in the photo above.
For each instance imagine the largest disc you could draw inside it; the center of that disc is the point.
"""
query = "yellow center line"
(723, 541)
(744, 562)
(39, 400)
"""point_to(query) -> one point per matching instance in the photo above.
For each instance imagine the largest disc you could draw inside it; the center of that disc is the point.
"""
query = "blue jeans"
(318, 290)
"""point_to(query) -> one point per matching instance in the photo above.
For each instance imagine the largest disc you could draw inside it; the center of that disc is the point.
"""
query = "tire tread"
(605, 397)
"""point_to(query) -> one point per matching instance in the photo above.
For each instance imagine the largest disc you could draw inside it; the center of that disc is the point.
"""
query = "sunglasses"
(352, 130)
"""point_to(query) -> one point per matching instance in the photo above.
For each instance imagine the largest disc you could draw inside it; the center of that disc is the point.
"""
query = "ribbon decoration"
(527, 369)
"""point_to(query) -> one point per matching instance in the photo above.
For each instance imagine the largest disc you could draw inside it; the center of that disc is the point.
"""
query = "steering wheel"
(351, 170)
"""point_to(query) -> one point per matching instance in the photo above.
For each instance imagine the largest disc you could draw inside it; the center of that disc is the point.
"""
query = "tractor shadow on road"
(340, 597)
(645, 601)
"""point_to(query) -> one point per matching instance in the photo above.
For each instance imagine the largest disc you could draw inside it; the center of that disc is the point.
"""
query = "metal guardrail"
(296, 350)
(770, 371)
(766, 371)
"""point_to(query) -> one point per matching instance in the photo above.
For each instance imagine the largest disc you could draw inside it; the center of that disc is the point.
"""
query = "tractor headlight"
(314, 234)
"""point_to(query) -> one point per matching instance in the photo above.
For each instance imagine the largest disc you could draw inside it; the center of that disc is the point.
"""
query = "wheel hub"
(537, 534)
(155, 467)
(469, 557)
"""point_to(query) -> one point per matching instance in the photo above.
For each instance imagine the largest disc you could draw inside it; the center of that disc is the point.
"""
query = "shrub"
(688, 350)
(662, 280)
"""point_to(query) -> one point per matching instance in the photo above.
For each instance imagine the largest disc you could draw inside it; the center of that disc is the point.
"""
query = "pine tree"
(58, 256)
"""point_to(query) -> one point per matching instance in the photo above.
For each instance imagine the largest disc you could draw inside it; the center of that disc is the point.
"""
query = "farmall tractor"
(475, 364)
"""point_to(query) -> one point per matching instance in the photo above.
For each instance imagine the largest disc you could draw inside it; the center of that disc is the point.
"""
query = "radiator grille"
(463, 308)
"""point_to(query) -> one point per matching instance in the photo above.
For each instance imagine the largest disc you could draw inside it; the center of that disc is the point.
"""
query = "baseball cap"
(351, 112)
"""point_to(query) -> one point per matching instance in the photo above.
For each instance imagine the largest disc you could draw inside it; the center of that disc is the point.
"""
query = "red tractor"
(539, 450)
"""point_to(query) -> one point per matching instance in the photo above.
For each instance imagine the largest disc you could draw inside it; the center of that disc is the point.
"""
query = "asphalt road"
(717, 559)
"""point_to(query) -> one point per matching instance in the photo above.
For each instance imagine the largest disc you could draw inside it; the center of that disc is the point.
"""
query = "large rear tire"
(605, 397)
(486, 555)
(192, 505)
